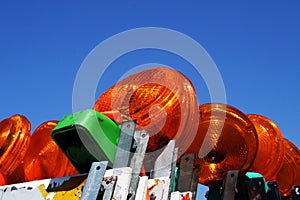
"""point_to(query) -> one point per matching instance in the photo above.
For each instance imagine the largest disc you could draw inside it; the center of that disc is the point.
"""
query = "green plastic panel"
(86, 137)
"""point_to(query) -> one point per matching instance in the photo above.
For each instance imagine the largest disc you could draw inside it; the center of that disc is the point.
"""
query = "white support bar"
(142, 189)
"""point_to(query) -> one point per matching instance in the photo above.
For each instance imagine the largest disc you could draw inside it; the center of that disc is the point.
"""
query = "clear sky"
(256, 47)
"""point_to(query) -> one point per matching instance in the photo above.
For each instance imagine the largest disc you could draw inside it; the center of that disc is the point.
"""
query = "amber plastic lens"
(3, 180)
(270, 152)
(17, 176)
(289, 173)
(44, 159)
(14, 142)
(161, 100)
(232, 138)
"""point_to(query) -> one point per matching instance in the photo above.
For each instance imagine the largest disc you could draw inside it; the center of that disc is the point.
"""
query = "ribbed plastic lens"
(231, 142)
(44, 159)
(289, 173)
(270, 152)
(161, 100)
(14, 142)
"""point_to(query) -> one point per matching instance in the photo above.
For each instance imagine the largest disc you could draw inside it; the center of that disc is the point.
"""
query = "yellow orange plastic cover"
(270, 152)
(289, 173)
(161, 100)
(232, 138)
(14, 142)
(44, 159)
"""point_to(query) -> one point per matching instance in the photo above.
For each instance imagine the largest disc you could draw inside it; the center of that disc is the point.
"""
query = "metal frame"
(94, 181)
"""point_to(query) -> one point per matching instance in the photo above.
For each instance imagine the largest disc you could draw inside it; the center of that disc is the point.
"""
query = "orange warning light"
(44, 159)
(289, 173)
(229, 142)
(270, 152)
(161, 100)
(14, 142)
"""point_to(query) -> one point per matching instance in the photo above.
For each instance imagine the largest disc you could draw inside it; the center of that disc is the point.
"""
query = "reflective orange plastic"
(231, 142)
(14, 142)
(44, 159)
(289, 173)
(270, 152)
(17, 176)
(161, 100)
(3, 180)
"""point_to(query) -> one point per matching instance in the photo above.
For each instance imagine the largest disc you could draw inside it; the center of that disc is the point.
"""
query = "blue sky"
(254, 45)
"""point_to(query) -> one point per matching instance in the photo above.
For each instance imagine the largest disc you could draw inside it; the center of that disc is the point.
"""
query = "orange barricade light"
(289, 173)
(44, 159)
(14, 142)
(231, 137)
(270, 152)
(161, 100)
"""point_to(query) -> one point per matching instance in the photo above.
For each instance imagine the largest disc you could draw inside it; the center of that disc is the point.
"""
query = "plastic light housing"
(161, 100)
(85, 137)
(14, 142)
(289, 173)
(44, 159)
(270, 153)
(231, 137)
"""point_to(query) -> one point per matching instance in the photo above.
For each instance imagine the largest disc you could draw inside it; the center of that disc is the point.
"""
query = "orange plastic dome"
(14, 142)
(161, 100)
(270, 152)
(44, 159)
(228, 137)
(289, 173)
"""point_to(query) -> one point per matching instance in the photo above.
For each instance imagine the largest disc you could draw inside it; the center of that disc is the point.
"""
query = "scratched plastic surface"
(270, 152)
(44, 159)
(161, 100)
(289, 173)
(14, 142)
(231, 142)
